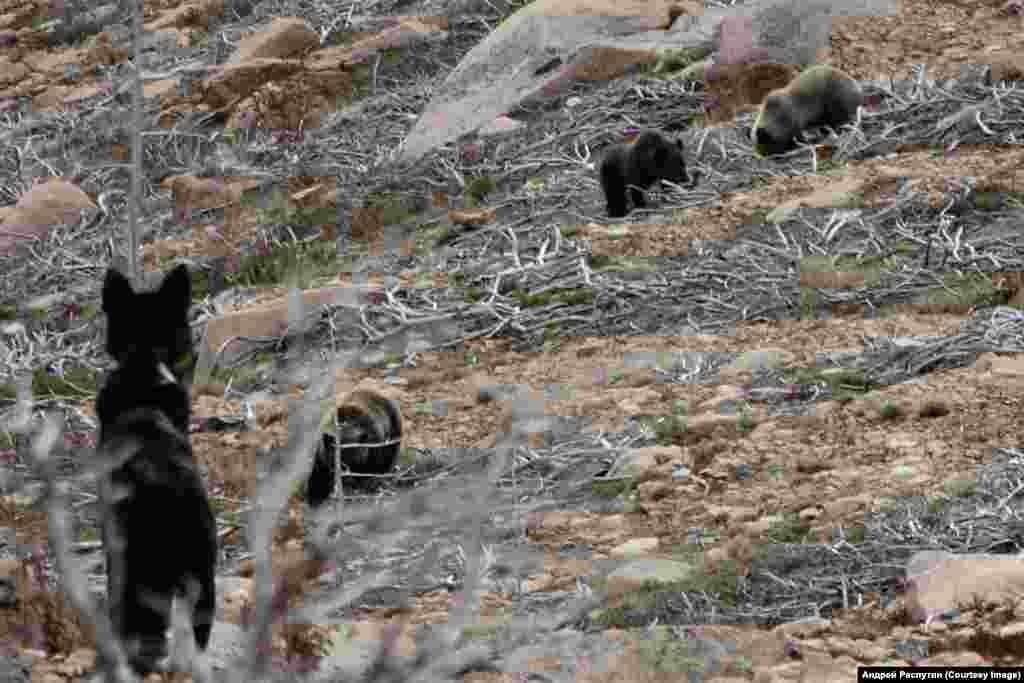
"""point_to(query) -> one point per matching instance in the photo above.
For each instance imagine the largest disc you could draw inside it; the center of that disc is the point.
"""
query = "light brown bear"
(820, 96)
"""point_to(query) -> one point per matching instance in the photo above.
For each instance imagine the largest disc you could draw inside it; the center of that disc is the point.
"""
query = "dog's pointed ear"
(177, 287)
(116, 290)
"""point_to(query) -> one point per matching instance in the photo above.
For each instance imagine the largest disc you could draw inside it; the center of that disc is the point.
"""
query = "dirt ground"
(829, 467)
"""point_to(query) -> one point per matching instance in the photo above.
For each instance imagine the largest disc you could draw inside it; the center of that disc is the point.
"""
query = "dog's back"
(159, 532)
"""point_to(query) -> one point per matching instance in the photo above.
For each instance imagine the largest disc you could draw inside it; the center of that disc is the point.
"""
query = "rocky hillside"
(765, 430)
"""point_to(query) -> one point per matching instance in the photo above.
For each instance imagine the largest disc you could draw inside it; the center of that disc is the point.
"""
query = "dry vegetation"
(735, 415)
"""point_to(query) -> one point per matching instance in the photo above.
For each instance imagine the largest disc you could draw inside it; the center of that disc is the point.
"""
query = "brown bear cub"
(364, 417)
(159, 533)
(637, 165)
(820, 96)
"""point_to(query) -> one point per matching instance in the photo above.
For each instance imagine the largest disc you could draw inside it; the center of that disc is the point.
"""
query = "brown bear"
(636, 165)
(820, 96)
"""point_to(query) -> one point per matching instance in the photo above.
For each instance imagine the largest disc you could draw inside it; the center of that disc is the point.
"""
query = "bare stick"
(135, 197)
(110, 656)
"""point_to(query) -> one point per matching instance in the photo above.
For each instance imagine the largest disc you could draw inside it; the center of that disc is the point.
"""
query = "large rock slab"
(550, 43)
(939, 581)
(514, 61)
(46, 204)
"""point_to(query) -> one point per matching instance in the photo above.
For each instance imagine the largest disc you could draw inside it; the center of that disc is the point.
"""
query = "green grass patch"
(570, 231)
(890, 410)
(217, 505)
(759, 216)
(89, 311)
(665, 427)
(788, 528)
(745, 418)
(392, 209)
(243, 377)
(552, 338)
(78, 382)
(281, 211)
(973, 289)
(200, 283)
(841, 381)
(407, 457)
(871, 267)
(722, 583)
(808, 303)
(302, 263)
(989, 201)
(610, 617)
(570, 297)
(903, 473)
(680, 217)
(37, 314)
(1015, 199)
(670, 60)
(479, 187)
(857, 534)
(233, 517)
(936, 505)
(663, 653)
(887, 505)
(617, 264)
(480, 631)
(613, 488)
(961, 488)
(904, 248)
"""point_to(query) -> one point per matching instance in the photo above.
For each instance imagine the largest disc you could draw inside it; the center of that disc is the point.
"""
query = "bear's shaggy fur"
(363, 417)
(159, 533)
(637, 166)
(820, 96)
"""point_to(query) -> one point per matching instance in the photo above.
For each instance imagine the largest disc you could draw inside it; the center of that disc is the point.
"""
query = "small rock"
(911, 649)
(16, 669)
(765, 359)
(634, 461)
(633, 575)
(8, 592)
(743, 472)
(635, 547)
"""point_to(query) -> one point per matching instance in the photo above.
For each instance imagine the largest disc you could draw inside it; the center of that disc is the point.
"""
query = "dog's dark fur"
(356, 426)
(820, 96)
(159, 534)
(637, 166)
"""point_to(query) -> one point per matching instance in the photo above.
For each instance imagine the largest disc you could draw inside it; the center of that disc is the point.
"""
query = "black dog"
(159, 533)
